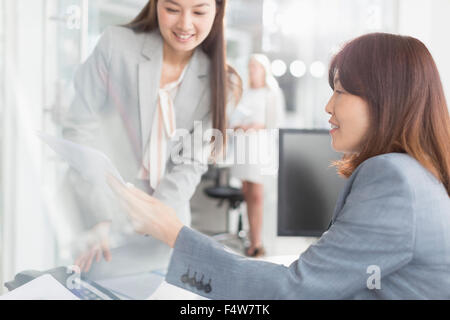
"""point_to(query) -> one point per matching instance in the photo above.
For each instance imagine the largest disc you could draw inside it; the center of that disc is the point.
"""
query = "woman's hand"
(97, 244)
(148, 215)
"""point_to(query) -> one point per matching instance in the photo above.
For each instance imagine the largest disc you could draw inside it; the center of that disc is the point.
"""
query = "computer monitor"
(308, 187)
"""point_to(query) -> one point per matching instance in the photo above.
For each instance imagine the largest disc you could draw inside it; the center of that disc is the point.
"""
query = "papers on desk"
(166, 291)
(92, 164)
(42, 288)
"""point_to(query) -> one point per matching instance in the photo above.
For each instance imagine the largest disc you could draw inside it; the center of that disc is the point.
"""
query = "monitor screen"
(308, 187)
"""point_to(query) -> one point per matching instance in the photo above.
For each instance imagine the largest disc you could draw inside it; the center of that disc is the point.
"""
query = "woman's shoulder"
(389, 164)
(394, 158)
(394, 161)
(397, 170)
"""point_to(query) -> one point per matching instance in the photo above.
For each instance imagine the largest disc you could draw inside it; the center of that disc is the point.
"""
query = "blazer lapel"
(149, 78)
(189, 103)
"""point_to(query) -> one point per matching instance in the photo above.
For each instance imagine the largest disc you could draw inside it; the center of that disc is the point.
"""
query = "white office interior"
(43, 41)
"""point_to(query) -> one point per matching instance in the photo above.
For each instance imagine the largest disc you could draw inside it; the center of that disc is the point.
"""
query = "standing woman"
(162, 72)
(263, 104)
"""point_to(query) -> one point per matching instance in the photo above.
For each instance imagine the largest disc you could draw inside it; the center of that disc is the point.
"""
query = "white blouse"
(163, 129)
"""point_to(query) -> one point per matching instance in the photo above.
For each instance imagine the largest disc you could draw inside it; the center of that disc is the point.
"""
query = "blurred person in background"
(261, 107)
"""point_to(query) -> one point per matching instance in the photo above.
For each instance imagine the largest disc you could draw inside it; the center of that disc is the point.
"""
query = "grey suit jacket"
(115, 99)
(392, 219)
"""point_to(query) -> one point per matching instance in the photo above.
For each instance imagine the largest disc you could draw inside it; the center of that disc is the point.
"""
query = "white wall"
(429, 21)
(27, 241)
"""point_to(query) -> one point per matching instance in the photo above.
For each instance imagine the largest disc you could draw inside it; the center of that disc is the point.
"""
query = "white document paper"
(92, 164)
(42, 288)
(166, 291)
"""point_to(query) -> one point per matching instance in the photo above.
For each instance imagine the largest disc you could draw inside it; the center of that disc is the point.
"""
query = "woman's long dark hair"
(396, 75)
(225, 81)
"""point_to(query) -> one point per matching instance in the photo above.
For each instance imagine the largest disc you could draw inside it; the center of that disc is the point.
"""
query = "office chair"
(234, 197)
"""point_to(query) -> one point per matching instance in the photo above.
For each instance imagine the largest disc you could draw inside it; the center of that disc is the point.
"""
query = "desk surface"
(134, 287)
(147, 286)
(151, 285)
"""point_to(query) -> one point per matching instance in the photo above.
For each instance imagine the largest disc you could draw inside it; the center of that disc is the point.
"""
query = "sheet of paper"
(166, 291)
(92, 164)
(42, 288)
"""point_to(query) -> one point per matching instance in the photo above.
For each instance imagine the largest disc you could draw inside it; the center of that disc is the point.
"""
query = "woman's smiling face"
(349, 119)
(184, 24)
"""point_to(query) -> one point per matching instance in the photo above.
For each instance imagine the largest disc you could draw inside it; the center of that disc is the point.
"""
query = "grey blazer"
(115, 99)
(392, 220)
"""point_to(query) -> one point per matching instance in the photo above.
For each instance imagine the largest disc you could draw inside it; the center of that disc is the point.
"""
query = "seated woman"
(389, 233)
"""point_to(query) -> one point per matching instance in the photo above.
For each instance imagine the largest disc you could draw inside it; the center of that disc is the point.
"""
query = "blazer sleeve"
(189, 161)
(374, 228)
(81, 124)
